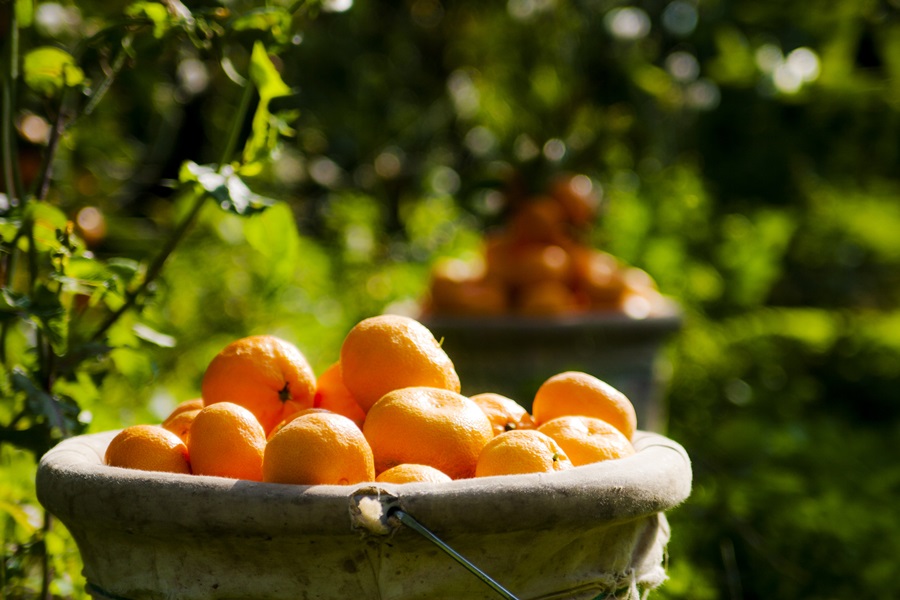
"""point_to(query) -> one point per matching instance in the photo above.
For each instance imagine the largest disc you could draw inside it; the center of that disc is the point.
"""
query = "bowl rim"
(75, 485)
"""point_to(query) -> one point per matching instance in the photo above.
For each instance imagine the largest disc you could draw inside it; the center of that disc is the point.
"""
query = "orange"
(581, 394)
(427, 426)
(389, 352)
(265, 374)
(226, 440)
(468, 297)
(316, 449)
(521, 451)
(291, 417)
(533, 263)
(578, 197)
(179, 423)
(333, 395)
(547, 298)
(600, 275)
(540, 219)
(505, 414)
(148, 448)
(586, 440)
(407, 473)
(185, 406)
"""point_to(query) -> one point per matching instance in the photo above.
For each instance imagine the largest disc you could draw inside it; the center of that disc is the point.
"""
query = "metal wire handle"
(410, 522)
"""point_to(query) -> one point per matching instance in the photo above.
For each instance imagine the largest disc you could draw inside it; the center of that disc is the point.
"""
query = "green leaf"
(156, 12)
(48, 70)
(25, 12)
(148, 334)
(60, 414)
(52, 317)
(271, 19)
(266, 126)
(274, 235)
(226, 187)
(19, 515)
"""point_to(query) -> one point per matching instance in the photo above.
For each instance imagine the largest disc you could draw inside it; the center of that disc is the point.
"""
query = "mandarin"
(333, 395)
(505, 414)
(318, 449)
(390, 352)
(429, 426)
(226, 440)
(265, 374)
(581, 394)
(148, 448)
(179, 423)
(519, 452)
(411, 473)
(587, 440)
(292, 416)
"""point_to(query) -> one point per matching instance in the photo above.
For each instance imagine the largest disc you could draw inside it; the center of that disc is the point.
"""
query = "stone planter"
(574, 534)
(513, 355)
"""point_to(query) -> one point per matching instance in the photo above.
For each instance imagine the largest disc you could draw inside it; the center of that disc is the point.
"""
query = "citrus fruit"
(539, 219)
(521, 451)
(318, 448)
(581, 394)
(534, 263)
(226, 440)
(333, 395)
(265, 374)
(292, 416)
(148, 448)
(468, 297)
(587, 440)
(547, 298)
(505, 414)
(427, 426)
(578, 197)
(411, 473)
(186, 406)
(390, 352)
(179, 423)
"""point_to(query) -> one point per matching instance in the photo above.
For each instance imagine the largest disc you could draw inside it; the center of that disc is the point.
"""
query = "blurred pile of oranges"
(388, 410)
(538, 263)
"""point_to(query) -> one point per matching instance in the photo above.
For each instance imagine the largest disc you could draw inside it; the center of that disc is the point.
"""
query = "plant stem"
(236, 125)
(156, 266)
(199, 199)
(7, 143)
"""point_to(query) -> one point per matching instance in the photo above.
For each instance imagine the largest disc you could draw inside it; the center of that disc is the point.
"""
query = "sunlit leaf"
(52, 316)
(156, 12)
(265, 127)
(270, 19)
(48, 70)
(148, 334)
(25, 12)
(274, 235)
(226, 187)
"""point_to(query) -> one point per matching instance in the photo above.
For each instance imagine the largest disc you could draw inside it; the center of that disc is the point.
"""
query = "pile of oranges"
(538, 264)
(388, 410)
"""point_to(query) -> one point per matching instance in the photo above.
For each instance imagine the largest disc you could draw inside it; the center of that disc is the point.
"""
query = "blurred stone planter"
(513, 355)
(574, 534)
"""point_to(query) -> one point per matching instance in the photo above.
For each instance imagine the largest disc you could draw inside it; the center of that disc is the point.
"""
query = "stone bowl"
(575, 534)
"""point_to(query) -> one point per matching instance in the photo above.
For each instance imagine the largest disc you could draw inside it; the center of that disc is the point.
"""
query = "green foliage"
(746, 153)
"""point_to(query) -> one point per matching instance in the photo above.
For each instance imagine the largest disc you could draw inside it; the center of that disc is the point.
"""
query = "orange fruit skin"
(390, 352)
(186, 406)
(148, 448)
(265, 374)
(226, 440)
(505, 414)
(581, 394)
(332, 394)
(292, 416)
(576, 195)
(587, 440)
(319, 449)
(407, 473)
(428, 426)
(519, 452)
(476, 297)
(180, 422)
(547, 298)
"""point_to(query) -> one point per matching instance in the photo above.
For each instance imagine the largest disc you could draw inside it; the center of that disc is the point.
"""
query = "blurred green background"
(747, 152)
